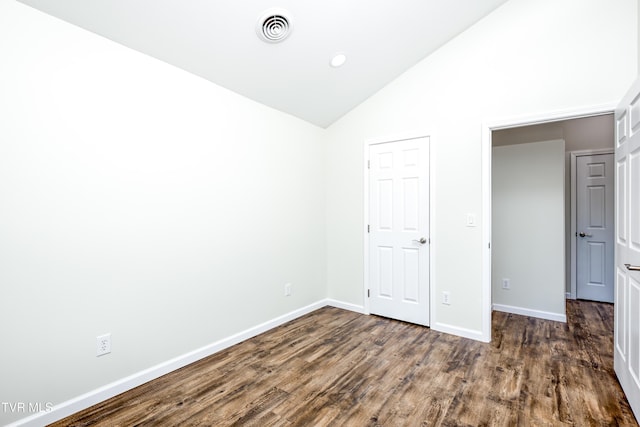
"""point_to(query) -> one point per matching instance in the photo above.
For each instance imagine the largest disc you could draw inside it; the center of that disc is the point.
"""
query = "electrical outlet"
(446, 298)
(506, 284)
(287, 290)
(103, 344)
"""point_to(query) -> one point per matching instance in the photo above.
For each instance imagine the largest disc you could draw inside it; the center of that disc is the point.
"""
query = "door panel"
(411, 275)
(596, 259)
(621, 201)
(385, 275)
(627, 254)
(620, 316)
(634, 115)
(634, 331)
(597, 215)
(634, 200)
(411, 208)
(595, 224)
(385, 205)
(399, 216)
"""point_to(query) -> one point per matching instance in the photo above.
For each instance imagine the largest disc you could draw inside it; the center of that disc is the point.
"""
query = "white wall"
(524, 59)
(528, 228)
(140, 200)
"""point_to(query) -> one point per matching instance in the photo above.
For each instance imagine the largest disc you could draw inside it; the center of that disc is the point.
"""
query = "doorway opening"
(571, 126)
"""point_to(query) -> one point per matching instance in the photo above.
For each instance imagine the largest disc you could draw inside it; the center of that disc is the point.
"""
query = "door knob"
(632, 267)
(583, 234)
(422, 241)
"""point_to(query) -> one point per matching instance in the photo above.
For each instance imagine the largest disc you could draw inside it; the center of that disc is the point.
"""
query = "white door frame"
(432, 216)
(488, 127)
(573, 271)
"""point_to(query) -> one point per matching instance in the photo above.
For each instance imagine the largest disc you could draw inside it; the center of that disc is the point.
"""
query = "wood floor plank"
(334, 367)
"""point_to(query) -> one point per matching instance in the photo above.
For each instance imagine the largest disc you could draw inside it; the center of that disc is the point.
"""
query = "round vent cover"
(274, 25)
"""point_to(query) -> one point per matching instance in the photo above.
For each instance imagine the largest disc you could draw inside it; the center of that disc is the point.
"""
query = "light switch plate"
(471, 220)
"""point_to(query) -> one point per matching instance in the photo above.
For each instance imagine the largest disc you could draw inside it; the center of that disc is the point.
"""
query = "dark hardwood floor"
(334, 367)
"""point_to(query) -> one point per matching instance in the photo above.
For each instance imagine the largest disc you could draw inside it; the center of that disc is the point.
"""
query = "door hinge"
(368, 228)
(368, 164)
(368, 293)
(489, 245)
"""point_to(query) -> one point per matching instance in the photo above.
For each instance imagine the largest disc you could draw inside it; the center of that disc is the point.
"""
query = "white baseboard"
(461, 332)
(440, 327)
(558, 317)
(346, 306)
(108, 391)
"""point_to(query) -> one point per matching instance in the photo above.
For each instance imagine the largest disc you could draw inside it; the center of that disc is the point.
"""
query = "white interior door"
(595, 227)
(627, 257)
(399, 230)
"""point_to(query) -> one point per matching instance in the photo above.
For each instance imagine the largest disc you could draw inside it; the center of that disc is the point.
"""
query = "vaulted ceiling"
(217, 40)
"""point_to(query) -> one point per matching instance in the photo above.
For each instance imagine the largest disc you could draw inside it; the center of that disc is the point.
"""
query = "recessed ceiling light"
(338, 60)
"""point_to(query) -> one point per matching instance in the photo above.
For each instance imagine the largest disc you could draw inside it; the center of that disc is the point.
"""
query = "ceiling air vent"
(274, 25)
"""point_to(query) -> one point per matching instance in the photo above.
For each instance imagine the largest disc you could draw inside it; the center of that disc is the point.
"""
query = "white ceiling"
(216, 39)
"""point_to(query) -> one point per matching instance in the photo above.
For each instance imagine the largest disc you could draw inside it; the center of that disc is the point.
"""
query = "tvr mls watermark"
(25, 407)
